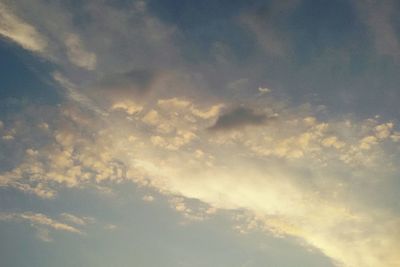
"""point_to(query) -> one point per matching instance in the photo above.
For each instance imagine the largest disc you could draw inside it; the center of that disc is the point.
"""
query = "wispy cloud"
(76, 220)
(41, 222)
(265, 21)
(379, 16)
(74, 94)
(77, 54)
(20, 32)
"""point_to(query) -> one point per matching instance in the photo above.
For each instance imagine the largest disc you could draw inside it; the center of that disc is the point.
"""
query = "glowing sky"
(199, 133)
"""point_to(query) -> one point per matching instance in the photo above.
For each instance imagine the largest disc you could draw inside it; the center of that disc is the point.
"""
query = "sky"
(199, 133)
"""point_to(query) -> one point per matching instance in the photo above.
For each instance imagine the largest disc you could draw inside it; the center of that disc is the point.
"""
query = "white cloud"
(8, 137)
(148, 198)
(297, 175)
(332, 141)
(302, 196)
(75, 219)
(20, 32)
(212, 112)
(383, 131)
(286, 207)
(173, 103)
(128, 106)
(151, 118)
(264, 90)
(40, 222)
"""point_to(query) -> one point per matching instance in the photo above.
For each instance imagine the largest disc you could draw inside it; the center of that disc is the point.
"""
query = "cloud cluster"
(297, 175)
(291, 172)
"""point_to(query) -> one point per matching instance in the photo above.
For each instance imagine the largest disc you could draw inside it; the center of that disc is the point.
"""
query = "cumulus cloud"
(285, 204)
(148, 198)
(298, 176)
(128, 106)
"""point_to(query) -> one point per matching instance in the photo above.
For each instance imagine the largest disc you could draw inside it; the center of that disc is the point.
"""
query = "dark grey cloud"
(239, 117)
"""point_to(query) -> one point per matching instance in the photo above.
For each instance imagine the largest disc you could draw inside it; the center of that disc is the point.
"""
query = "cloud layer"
(135, 110)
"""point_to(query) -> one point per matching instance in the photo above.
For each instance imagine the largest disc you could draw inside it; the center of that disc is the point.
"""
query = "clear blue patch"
(25, 77)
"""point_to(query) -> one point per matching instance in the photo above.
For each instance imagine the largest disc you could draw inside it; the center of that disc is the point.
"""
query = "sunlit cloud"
(20, 32)
(41, 222)
(197, 137)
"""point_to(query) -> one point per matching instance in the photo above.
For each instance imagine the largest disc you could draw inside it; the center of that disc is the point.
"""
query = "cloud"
(238, 118)
(51, 46)
(316, 212)
(191, 211)
(110, 227)
(299, 176)
(20, 32)
(303, 196)
(173, 103)
(148, 198)
(265, 23)
(128, 106)
(74, 94)
(41, 222)
(64, 36)
(186, 106)
(264, 90)
(212, 112)
(54, 163)
(8, 137)
(75, 219)
(151, 118)
(77, 53)
(379, 18)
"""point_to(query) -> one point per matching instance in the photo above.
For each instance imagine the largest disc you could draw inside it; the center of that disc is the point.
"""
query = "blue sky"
(199, 133)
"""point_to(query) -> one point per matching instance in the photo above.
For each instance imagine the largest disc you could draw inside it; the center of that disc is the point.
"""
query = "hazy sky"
(199, 133)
